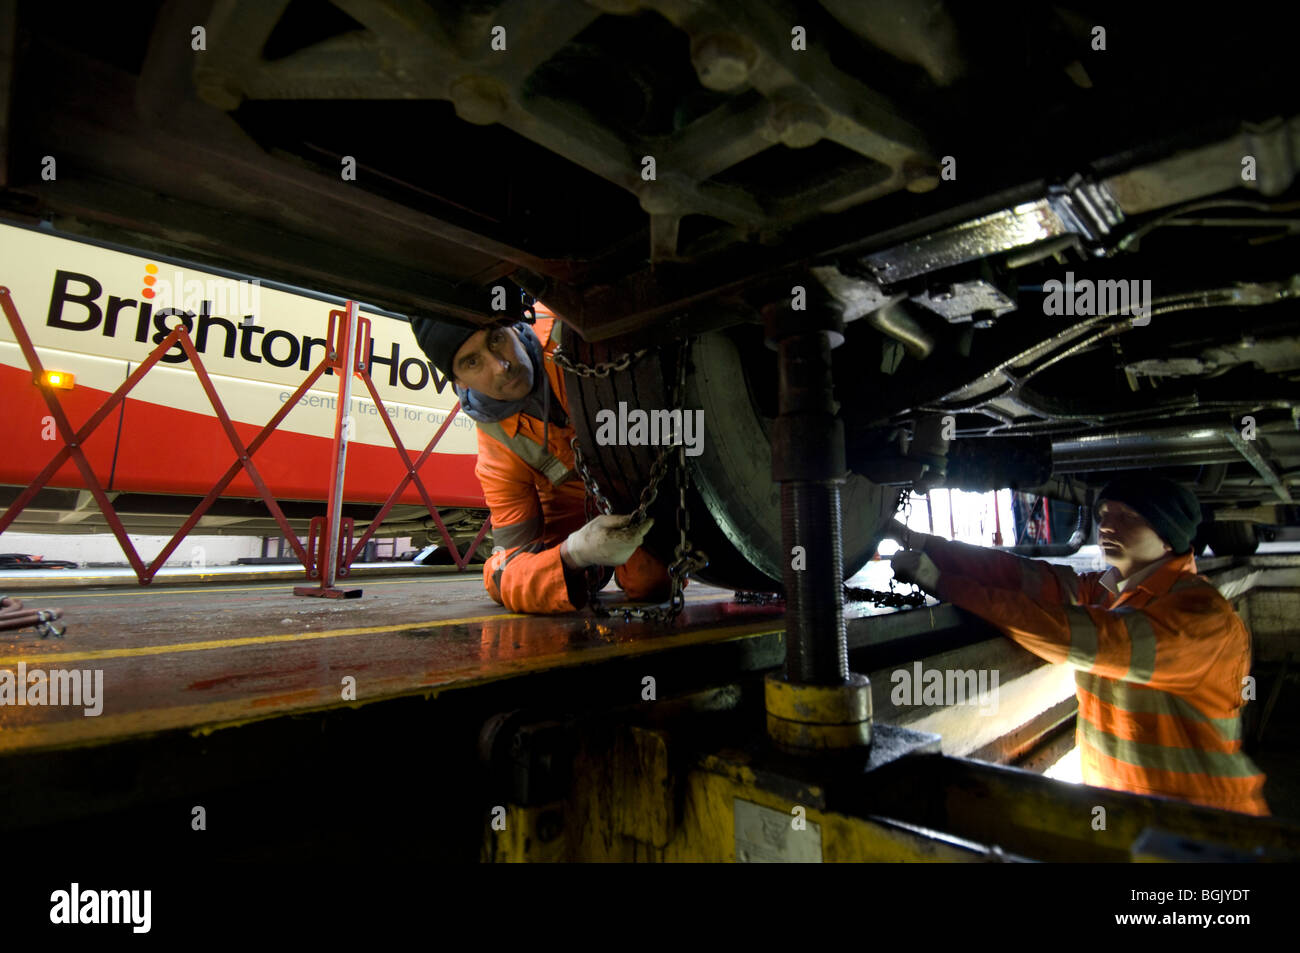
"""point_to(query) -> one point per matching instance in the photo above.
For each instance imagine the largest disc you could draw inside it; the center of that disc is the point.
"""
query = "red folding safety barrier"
(347, 331)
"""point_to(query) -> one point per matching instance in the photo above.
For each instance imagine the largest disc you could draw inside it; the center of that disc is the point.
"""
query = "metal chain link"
(882, 600)
(602, 369)
(658, 470)
(903, 507)
(686, 559)
(744, 596)
(648, 495)
(892, 599)
(886, 600)
(588, 481)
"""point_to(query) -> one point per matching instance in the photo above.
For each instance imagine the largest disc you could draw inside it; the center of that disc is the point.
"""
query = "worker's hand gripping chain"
(606, 541)
(686, 560)
(893, 599)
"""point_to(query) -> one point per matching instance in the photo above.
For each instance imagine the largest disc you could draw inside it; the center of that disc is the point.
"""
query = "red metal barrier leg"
(462, 562)
(330, 552)
(74, 441)
(325, 562)
(412, 475)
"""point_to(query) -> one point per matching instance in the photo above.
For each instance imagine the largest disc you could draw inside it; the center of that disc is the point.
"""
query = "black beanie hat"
(441, 338)
(1171, 509)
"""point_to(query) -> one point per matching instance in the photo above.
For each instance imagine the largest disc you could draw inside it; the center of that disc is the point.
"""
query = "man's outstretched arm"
(1040, 580)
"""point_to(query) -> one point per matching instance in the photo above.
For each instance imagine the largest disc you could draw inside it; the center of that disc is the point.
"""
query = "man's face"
(494, 363)
(1127, 540)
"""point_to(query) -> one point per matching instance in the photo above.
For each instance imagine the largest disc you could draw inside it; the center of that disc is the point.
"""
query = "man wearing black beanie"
(546, 554)
(1161, 660)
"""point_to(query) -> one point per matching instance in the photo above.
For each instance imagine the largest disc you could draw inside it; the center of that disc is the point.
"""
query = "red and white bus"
(95, 312)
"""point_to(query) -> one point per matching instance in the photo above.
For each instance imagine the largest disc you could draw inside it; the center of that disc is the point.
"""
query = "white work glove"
(605, 541)
(913, 566)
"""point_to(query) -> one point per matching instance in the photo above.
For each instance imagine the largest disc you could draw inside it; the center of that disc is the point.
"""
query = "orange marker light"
(60, 379)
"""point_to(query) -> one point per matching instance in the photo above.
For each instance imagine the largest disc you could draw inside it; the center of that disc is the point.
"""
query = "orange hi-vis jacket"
(532, 515)
(1159, 668)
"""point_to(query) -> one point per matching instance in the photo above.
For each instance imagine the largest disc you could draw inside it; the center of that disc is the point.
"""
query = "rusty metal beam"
(221, 171)
(141, 219)
(406, 52)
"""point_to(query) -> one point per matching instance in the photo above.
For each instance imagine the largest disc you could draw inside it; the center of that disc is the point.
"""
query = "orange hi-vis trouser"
(531, 517)
(1159, 668)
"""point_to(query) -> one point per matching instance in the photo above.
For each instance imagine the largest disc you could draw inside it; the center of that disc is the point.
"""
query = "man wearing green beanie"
(1160, 657)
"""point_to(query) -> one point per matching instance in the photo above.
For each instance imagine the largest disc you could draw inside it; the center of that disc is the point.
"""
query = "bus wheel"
(733, 503)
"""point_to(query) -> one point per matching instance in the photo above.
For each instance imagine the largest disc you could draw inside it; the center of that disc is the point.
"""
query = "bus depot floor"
(245, 722)
(286, 717)
(212, 654)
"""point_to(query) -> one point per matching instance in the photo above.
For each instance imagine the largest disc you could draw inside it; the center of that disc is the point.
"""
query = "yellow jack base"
(813, 718)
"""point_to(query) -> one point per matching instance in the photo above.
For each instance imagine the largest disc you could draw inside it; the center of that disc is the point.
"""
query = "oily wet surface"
(196, 656)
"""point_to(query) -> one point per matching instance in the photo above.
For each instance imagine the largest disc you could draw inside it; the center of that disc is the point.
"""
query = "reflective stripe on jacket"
(531, 516)
(1159, 668)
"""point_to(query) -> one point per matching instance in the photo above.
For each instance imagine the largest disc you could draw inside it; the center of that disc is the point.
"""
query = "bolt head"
(657, 200)
(478, 99)
(797, 125)
(218, 91)
(920, 177)
(723, 60)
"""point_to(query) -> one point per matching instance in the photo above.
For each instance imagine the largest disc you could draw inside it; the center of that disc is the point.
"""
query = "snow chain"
(893, 599)
(597, 370)
(686, 559)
